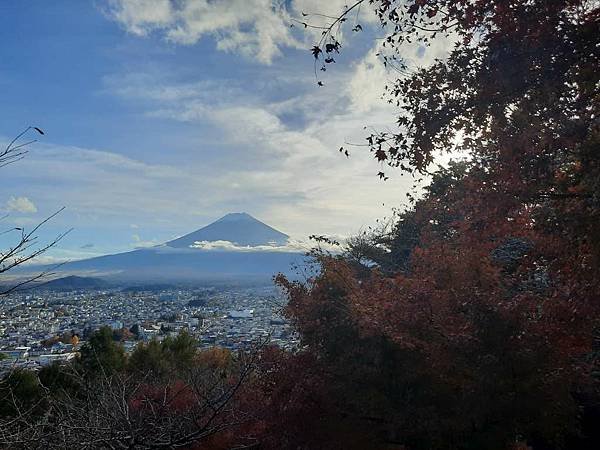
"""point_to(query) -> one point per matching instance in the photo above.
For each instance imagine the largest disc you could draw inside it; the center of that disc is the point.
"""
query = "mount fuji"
(240, 229)
(237, 248)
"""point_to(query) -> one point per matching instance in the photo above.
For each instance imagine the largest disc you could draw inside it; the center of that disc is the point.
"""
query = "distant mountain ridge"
(238, 228)
(73, 282)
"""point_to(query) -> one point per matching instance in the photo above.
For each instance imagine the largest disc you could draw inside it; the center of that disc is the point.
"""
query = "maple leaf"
(332, 47)
(316, 51)
(381, 155)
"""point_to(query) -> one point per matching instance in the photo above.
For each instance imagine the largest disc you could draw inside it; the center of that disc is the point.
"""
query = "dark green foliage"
(148, 358)
(58, 379)
(101, 354)
(19, 391)
(135, 330)
(161, 358)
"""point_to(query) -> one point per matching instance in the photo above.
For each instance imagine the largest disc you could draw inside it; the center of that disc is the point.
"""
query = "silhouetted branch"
(25, 249)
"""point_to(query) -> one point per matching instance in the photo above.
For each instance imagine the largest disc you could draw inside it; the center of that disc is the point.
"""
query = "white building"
(46, 360)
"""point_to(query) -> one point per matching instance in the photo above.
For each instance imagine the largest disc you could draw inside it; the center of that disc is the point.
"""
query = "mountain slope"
(239, 228)
(73, 282)
(164, 264)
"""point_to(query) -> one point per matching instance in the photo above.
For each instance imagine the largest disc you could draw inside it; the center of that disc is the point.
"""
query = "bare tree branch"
(26, 247)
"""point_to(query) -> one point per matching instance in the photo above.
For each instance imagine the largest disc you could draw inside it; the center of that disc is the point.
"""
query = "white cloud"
(367, 82)
(293, 173)
(142, 16)
(254, 28)
(138, 242)
(257, 29)
(61, 255)
(292, 246)
(21, 204)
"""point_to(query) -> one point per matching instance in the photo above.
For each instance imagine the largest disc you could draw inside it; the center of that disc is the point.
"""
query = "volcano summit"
(240, 229)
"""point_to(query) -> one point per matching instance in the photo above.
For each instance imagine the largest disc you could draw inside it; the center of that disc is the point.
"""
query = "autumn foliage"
(474, 322)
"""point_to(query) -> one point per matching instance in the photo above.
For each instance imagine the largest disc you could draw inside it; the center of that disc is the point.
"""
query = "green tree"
(59, 378)
(171, 355)
(181, 349)
(101, 354)
(19, 391)
(149, 358)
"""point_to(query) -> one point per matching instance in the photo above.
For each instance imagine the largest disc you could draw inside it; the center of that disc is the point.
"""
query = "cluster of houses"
(39, 328)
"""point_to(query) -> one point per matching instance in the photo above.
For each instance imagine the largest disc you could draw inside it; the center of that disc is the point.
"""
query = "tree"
(101, 354)
(172, 354)
(19, 391)
(473, 323)
(166, 395)
(135, 330)
(26, 246)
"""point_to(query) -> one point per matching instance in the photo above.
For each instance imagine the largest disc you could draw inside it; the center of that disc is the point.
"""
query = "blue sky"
(162, 116)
